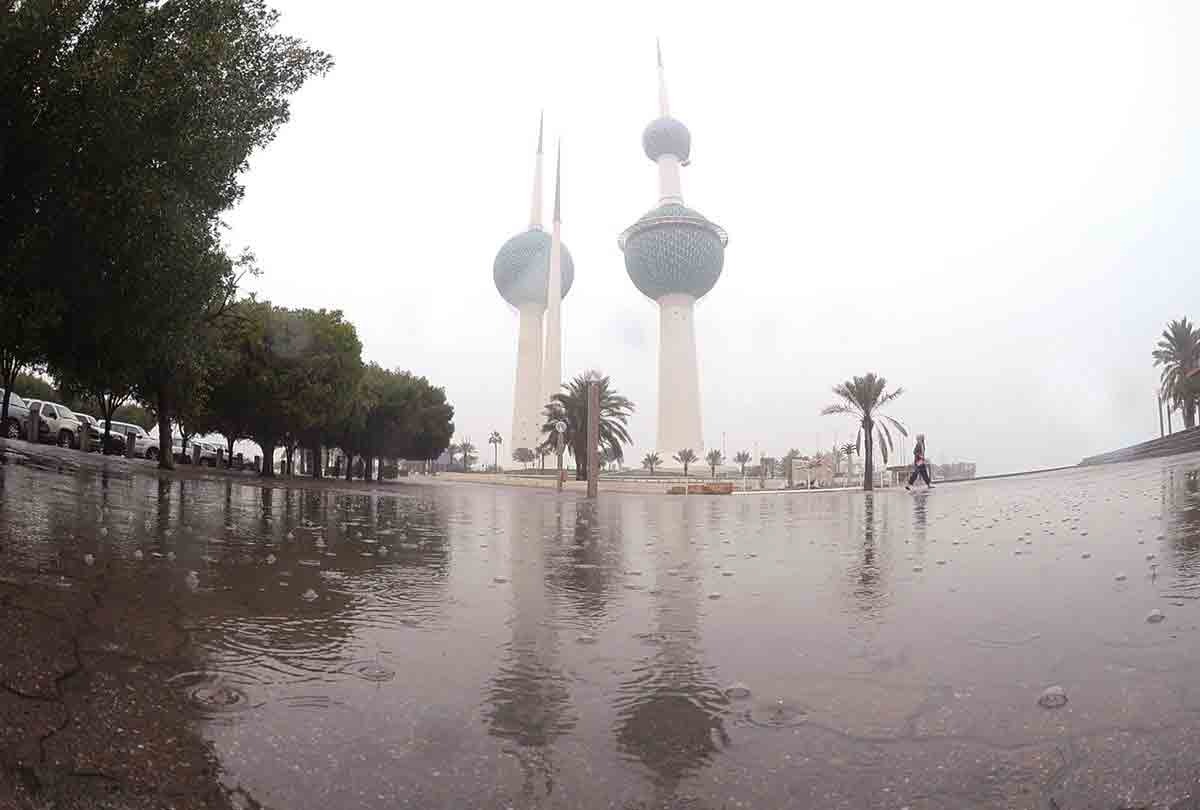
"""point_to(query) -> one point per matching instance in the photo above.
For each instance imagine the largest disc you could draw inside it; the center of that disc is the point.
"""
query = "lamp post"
(560, 428)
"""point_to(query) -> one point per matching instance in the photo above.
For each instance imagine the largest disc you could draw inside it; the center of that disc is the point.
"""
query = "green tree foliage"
(145, 113)
(863, 398)
(571, 405)
(285, 372)
(1178, 352)
(742, 458)
(686, 457)
(524, 456)
(650, 461)
(715, 458)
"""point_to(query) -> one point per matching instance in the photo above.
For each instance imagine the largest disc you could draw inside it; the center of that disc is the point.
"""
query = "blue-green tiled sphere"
(666, 136)
(673, 249)
(522, 268)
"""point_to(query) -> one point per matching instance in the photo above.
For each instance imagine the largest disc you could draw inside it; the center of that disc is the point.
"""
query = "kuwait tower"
(522, 275)
(674, 257)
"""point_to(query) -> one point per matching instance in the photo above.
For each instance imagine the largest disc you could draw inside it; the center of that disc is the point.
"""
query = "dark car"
(116, 436)
(18, 417)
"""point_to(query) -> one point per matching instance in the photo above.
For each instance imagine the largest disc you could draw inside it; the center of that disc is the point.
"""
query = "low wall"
(1185, 441)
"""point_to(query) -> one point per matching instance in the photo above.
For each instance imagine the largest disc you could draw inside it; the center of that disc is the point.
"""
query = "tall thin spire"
(664, 109)
(558, 184)
(552, 353)
(535, 216)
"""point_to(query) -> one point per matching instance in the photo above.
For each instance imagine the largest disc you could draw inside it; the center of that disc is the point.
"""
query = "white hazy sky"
(994, 205)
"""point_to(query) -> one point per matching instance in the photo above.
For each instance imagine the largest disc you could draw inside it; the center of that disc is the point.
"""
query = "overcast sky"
(995, 206)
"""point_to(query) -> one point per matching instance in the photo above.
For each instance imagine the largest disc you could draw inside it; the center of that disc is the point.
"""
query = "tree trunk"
(229, 455)
(379, 474)
(268, 462)
(1189, 413)
(868, 457)
(4, 408)
(166, 459)
(349, 467)
(316, 467)
(289, 453)
(9, 376)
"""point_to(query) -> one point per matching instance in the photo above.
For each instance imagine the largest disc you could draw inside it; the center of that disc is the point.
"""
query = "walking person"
(919, 466)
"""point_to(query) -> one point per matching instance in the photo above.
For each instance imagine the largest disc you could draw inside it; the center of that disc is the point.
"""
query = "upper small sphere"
(674, 249)
(666, 136)
(522, 268)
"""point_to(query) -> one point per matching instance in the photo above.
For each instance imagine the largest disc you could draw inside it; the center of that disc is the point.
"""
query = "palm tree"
(650, 461)
(495, 441)
(849, 449)
(1178, 353)
(571, 406)
(468, 453)
(862, 398)
(686, 457)
(814, 463)
(714, 458)
(742, 458)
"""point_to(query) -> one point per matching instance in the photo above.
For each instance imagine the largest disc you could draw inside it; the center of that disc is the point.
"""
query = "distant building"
(897, 475)
(956, 471)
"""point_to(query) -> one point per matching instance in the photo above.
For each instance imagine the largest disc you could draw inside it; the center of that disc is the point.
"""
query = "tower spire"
(535, 216)
(552, 353)
(558, 184)
(664, 109)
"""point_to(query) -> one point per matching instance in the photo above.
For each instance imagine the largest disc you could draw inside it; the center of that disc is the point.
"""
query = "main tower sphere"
(522, 268)
(667, 136)
(674, 249)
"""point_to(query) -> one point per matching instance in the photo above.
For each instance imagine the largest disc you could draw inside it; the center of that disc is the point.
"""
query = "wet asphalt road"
(202, 642)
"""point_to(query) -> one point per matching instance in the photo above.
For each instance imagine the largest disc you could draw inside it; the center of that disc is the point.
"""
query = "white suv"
(144, 445)
(56, 423)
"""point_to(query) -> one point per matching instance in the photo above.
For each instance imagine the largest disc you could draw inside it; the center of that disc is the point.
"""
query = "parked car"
(208, 451)
(144, 445)
(18, 417)
(116, 437)
(56, 423)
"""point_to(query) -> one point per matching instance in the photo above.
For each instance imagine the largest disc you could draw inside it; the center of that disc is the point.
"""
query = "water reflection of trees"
(587, 563)
(528, 701)
(1181, 516)
(870, 532)
(670, 709)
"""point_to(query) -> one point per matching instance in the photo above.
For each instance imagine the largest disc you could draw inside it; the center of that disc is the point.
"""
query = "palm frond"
(829, 410)
(883, 448)
(896, 424)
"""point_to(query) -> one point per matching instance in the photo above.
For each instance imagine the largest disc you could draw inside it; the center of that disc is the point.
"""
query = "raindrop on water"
(89, 559)
(192, 580)
(500, 580)
(1087, 555)
(1120, 577)
(309, 596)
(1055, 697)
(1155, 616)
(270, 559)
(714, 595)
(137, 555)
(103, 532)
(737, 691)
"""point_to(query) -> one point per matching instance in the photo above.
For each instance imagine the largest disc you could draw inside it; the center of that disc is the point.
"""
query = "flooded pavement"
(208, 643)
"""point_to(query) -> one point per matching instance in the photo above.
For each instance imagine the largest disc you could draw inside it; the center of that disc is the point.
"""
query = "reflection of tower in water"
(669, 711)
(528, 702)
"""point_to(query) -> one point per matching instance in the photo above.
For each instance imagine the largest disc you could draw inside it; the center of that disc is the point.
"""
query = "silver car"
(18, 417)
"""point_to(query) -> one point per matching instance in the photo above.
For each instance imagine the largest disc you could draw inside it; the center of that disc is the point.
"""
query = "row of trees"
(295, 378)
(124, 128)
